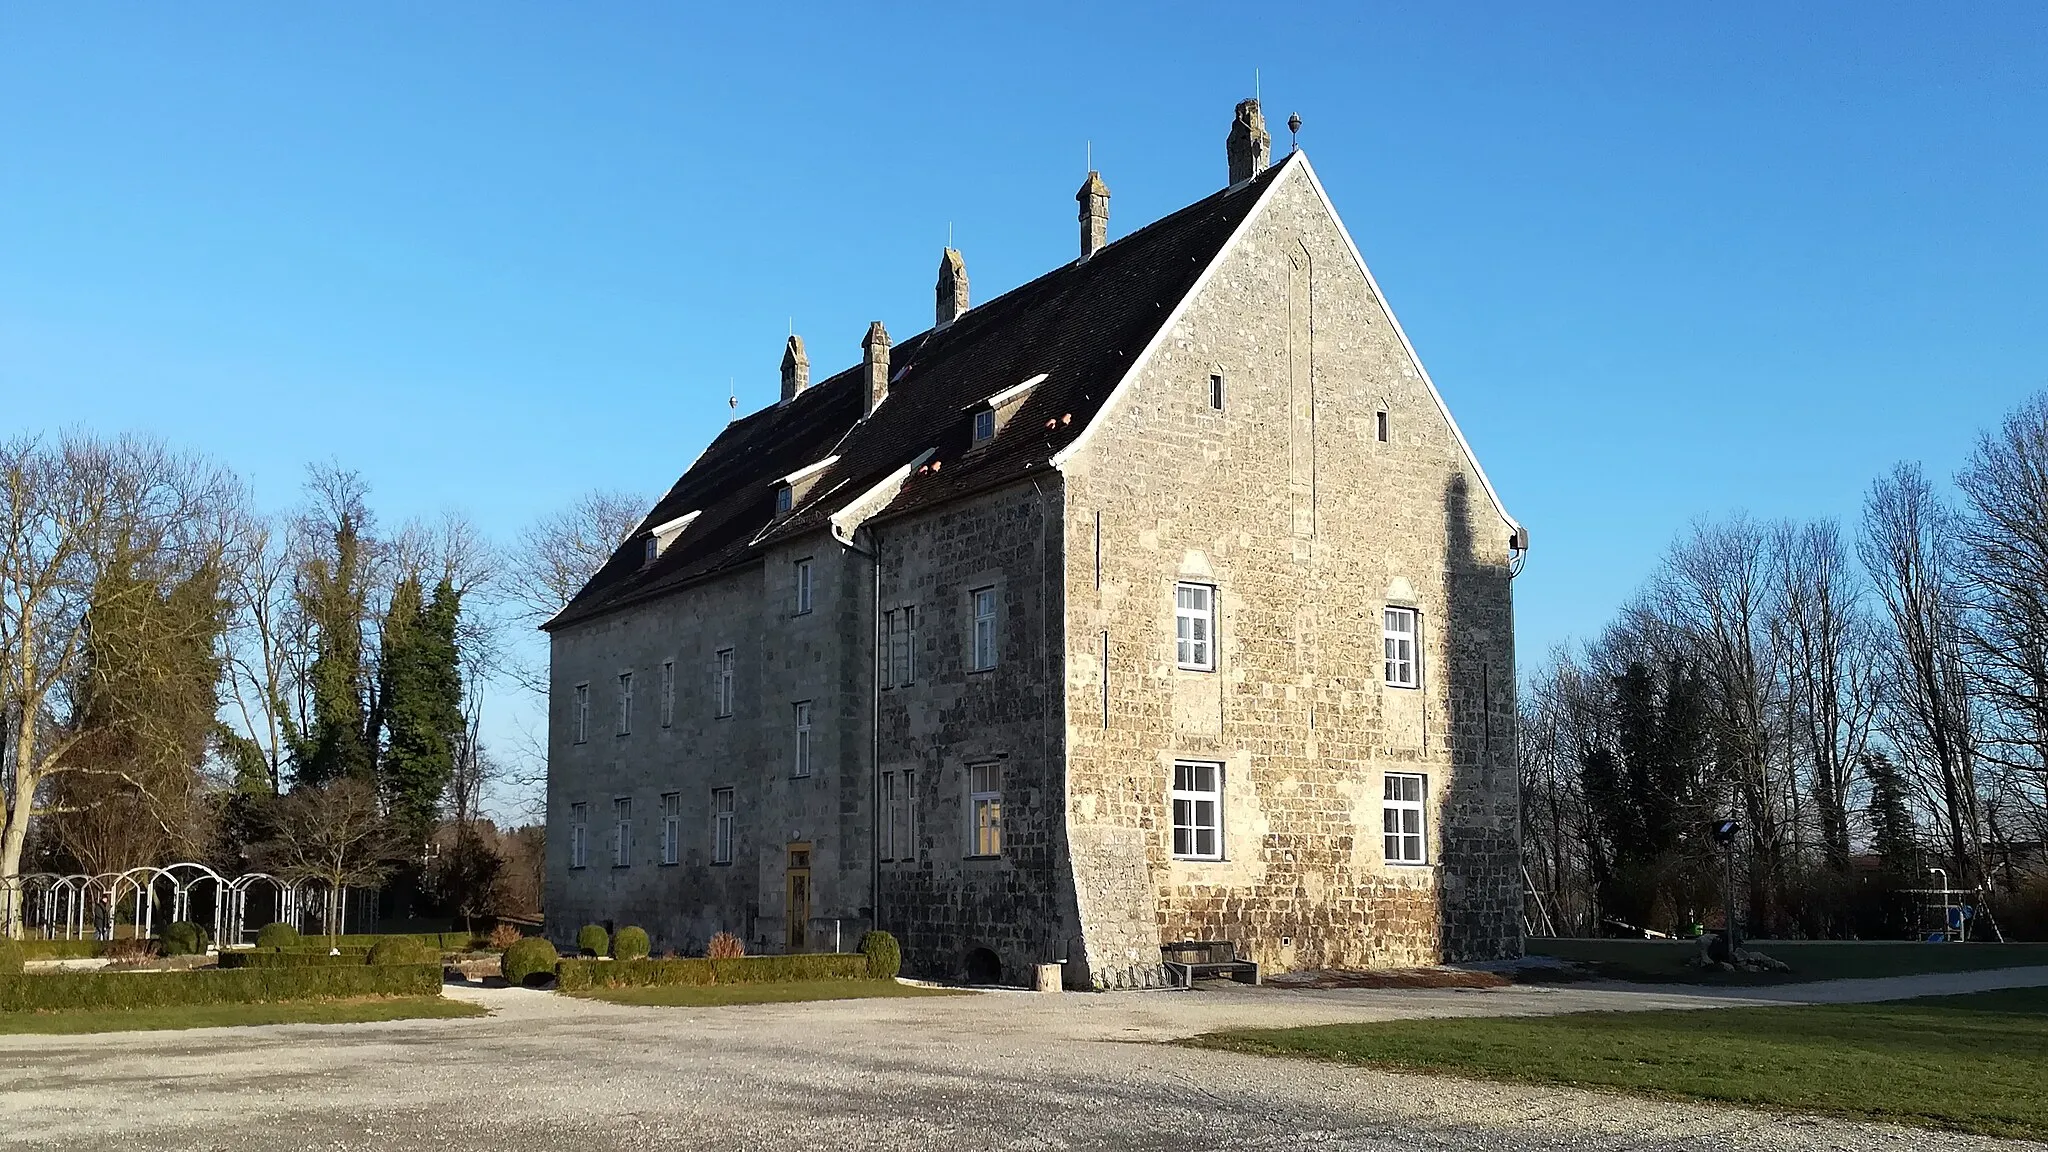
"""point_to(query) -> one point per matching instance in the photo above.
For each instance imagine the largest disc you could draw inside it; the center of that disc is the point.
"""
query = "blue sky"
(1662, 264)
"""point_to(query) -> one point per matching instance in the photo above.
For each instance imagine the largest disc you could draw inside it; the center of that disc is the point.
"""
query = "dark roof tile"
(1082, 325)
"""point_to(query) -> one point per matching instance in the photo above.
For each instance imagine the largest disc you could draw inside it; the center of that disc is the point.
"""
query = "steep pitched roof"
(1082, 326)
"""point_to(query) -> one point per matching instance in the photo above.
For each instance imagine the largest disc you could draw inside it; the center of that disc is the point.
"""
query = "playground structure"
(98, 907)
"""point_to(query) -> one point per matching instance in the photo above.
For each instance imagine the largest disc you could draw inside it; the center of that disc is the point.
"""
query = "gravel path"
(1006, 1070)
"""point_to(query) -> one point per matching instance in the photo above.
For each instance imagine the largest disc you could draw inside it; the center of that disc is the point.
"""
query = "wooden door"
(799, 904)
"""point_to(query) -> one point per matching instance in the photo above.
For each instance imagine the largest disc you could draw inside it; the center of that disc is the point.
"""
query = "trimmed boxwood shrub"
(401, 950)
(10, 957)
(183, 938)
(288, 959)
(593, 940)
(52, 990)
(885, 959)
(527, 959)
(630, 944)
(277, 934)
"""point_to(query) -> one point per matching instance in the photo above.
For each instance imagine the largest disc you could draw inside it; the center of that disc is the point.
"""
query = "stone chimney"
(874, 363)
(952, 286)
(796, 369)
(1250, 145)
(1094, 200)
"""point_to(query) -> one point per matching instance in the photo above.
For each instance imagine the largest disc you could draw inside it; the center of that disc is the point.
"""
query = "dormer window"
(663, 535)
(784, 498)
(984, 426)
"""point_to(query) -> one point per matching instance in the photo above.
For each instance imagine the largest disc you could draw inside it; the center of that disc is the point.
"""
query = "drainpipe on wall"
(873, 552)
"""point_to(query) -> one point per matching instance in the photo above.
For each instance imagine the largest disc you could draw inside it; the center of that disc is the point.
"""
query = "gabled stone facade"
(991, 679)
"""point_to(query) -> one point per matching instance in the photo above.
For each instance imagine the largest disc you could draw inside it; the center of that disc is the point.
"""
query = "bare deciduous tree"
(2004, 560)
(70, 511)
(334, 835)
(1908, 546)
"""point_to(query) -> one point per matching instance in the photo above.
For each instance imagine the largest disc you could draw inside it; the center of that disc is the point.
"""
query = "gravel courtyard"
(1005, 1070)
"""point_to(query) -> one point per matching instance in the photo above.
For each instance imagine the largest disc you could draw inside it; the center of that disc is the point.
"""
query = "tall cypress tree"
(333, 595)
(421, 703)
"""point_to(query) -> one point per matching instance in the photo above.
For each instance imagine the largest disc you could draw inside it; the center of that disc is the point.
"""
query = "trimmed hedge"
(885, 958)
(526, 958)
(630, 944)
(290, 960)
(399, 950)
(61, 949)
(54, 990)
(577, 975)
(277, 934)
(593, 940)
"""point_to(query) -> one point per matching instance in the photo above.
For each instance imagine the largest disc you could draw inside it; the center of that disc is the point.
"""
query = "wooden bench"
(1192, 960)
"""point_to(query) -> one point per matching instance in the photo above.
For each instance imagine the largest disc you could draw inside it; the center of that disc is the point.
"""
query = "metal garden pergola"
(82, 906)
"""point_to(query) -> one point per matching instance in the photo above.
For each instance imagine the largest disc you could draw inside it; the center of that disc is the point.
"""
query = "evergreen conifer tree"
(421, 703)
(332, 593)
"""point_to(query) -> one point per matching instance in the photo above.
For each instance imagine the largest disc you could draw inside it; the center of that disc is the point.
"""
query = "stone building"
(1157, 599)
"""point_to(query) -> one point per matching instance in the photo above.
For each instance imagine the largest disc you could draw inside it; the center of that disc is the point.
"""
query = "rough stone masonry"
(1066, 630)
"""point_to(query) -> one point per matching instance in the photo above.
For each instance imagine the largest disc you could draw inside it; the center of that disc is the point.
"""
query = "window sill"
(1196, 667)
(1406, 863)
(670, 864)
(1405, 687)
(997, 856)
(721, 864)
(1201, 860)
(981, 671)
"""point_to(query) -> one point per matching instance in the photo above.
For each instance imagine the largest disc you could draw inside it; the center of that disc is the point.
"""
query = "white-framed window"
(671, 827)
(668, 693)
(1399, 629)
(722, 687)
(1216, 391)
(1194, 626)
(785, 497)
(1380, 425)
(803, 739)
(622, 832)
(984, 426)
(580, 722)
(900, 628)
(1401, 817)
(985, 809)
(653, 550)
(906, 844)
(625, 703)
(579, 835)
(984, 629)
(803, 586)
(1197, 798)
(888, 808)
(721, 825)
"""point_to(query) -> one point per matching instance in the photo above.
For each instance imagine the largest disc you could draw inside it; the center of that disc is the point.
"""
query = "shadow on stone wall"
(1478, 891)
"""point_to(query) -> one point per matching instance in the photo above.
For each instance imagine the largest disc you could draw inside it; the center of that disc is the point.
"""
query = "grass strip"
(785, 992)
(73, 1021)
(1976, 1063)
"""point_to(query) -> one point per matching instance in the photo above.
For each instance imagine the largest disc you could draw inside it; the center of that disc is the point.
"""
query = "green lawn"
(1663, 961)
(783, 992)
(1976, 1063)
(76, 1020)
